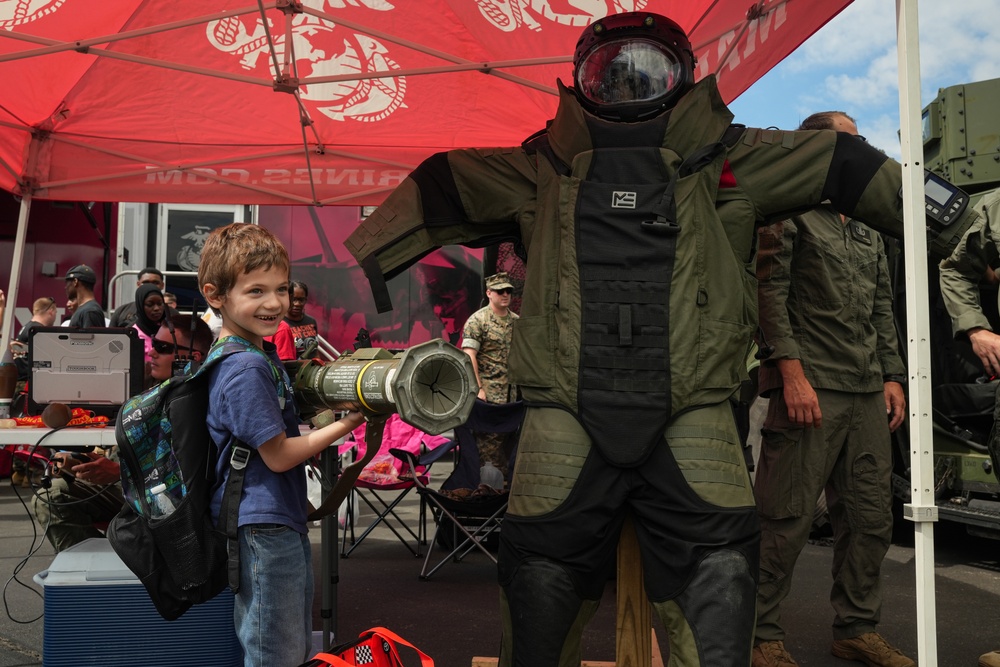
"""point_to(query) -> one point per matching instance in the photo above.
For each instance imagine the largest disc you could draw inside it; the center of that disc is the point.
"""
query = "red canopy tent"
(314, 102)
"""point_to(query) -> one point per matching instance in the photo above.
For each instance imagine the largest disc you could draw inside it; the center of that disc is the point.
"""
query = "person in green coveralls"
(834, 377)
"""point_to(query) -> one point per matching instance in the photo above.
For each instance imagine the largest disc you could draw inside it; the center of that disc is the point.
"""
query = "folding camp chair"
(467, 519)
(385, 482)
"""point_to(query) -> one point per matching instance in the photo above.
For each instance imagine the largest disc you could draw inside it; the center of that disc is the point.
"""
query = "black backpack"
(182, 559)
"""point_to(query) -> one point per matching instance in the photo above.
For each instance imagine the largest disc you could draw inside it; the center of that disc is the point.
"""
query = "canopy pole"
(15, 273)
(921, 509)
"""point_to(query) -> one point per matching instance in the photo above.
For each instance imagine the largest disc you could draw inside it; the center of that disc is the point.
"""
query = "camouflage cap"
(498, 281)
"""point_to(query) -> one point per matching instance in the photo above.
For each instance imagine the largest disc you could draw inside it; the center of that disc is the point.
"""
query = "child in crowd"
(303, 326)
(244, 278)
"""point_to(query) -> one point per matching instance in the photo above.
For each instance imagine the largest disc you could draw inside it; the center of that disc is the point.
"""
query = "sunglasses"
(505, 290)
(164, 347)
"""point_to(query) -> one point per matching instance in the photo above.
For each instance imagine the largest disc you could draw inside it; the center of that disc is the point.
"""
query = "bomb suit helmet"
(632, 66)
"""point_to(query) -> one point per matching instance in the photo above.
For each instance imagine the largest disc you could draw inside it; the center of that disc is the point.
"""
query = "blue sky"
(851, 65)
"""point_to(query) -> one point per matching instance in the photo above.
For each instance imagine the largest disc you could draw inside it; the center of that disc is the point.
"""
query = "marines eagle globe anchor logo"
(509, 15)
(14, 13)
(321, 48)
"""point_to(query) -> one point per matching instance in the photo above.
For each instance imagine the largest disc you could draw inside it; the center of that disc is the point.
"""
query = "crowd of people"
(81, 492)
(628, 318)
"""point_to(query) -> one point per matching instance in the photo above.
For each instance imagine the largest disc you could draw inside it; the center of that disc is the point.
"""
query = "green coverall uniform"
(963, 271)
(637, 315)
(825, 299)
(960, 276)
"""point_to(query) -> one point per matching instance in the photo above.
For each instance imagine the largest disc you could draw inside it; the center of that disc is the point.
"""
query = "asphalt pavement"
(454, 616)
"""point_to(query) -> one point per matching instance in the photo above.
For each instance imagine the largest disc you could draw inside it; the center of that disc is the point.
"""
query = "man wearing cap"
(80, 281)
(486, 339)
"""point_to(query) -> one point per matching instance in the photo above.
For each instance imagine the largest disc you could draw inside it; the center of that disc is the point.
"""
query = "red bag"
(373, 648)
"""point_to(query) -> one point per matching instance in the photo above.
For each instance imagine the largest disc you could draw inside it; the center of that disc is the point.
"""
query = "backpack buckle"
(240, 457)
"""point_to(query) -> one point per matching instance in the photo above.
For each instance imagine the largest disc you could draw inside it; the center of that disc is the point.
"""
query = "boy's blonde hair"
(233, 250)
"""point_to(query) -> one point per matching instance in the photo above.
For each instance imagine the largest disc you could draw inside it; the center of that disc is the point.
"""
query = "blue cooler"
(97, 613)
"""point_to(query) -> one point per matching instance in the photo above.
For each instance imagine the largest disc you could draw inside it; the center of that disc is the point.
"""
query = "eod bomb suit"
(637, 210)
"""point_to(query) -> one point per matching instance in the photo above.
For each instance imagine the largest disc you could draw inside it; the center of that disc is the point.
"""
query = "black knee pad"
(544, 607)
(719, 604)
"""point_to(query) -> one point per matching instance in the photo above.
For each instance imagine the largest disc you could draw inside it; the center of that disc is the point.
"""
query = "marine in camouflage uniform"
(638, 311)
(486, 339)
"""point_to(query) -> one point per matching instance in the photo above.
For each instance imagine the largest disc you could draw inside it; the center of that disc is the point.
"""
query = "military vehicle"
(961, 137)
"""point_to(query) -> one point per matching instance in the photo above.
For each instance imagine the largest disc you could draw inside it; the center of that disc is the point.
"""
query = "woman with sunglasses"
(190, 340)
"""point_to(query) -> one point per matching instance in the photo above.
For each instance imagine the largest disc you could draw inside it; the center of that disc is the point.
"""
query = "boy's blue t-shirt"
(243, 403)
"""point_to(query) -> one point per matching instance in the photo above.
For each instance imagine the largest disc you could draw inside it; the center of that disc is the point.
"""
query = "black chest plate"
(626, 259)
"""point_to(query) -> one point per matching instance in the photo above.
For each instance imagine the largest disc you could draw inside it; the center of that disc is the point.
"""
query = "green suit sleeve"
(464, 197)
(961, 272)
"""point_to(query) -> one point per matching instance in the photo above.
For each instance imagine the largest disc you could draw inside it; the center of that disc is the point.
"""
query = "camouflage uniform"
(490, 336)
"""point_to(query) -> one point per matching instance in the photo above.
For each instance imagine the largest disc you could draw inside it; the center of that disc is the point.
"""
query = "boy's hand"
(354, 418)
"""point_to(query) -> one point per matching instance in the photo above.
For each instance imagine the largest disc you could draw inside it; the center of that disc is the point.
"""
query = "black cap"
(83, 273)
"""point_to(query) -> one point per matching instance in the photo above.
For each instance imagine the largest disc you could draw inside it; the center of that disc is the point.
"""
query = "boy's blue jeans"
(273, 609)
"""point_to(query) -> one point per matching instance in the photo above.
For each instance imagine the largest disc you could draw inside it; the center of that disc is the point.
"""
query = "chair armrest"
(425, 459)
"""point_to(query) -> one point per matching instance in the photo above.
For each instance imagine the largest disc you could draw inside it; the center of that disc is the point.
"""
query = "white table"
(68, 437)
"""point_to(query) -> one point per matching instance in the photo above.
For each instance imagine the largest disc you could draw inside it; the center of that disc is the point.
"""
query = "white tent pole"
(15, 272)
(921, 508)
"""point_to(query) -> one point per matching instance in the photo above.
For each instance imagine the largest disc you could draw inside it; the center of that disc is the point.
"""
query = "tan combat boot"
(771, 654)
(871, 649)
(991, 659)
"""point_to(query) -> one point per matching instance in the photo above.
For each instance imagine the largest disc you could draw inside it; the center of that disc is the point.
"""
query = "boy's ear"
(210, 292)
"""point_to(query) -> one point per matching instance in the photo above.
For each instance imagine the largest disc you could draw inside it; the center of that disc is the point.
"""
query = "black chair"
(386, 482)
(467, 514)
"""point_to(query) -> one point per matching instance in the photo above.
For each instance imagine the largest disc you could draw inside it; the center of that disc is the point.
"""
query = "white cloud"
(851, 64)
(855, 35)
(874, 87)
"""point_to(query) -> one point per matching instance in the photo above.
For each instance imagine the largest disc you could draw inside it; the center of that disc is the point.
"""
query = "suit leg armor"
(543, 617)
(695, 522)
(711, 623)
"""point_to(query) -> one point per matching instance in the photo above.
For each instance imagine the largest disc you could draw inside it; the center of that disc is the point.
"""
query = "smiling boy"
(244, 278)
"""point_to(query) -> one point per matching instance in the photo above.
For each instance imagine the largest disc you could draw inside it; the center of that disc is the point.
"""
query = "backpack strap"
(239, 459)
(229, 512)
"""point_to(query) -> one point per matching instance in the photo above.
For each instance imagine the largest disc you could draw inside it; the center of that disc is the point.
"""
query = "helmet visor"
(628, 70)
